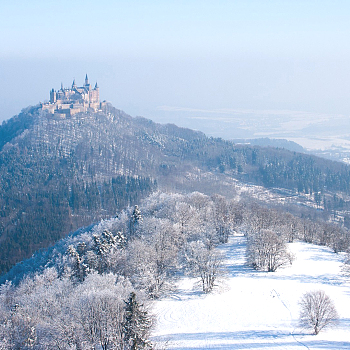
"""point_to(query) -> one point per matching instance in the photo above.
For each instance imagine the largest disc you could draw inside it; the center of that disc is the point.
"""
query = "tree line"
(59, 174)
(49, 213)
(95, 287)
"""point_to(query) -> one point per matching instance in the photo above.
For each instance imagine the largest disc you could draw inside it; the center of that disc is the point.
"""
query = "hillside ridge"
(58, 174)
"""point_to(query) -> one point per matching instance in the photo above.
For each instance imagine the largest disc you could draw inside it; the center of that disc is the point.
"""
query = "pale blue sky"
(272, 55)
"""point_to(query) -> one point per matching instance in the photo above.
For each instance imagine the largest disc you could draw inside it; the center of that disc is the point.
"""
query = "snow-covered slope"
(256, 310)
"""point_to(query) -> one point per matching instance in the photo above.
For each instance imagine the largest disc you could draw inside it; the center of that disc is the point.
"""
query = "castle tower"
(53, 96)
(74, 85)
(95, 94)
(87, 86)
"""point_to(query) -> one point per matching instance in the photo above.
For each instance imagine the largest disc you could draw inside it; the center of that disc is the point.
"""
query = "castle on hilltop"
(69, 101)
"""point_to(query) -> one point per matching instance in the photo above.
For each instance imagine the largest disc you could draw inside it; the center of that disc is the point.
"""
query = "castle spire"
(86, 80)
(96, 86)
(74, 85)
(62, 86)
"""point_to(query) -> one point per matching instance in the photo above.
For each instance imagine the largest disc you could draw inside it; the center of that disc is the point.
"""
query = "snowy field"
(256, 310)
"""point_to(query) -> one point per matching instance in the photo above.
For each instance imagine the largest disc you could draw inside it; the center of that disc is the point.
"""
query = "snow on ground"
(256, 310)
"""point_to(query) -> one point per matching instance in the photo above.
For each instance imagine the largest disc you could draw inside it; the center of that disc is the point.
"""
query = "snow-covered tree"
(221, 218)
(204, 263)
(136, 325)
(21, 329)
(346, 264)
(120, 240)
(186, 217)
(104, 244)
(100, 316)
(79, 267)
(150, 264)
(267, 251)
(317, 311)
(135, 219)
(291, 227)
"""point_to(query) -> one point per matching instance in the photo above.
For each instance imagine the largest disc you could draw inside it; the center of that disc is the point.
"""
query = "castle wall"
(74, 100)
(94, 96)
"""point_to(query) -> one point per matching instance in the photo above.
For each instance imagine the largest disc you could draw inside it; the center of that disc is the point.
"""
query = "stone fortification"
(69, 101)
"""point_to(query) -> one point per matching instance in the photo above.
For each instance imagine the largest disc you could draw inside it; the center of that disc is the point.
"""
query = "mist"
(152, 58)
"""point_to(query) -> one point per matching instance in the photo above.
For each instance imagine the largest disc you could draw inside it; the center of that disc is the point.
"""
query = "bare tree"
(317, 311)
(204, 263)
(221, 218)
(100, 317)
(346, 264)
(267, 251)
(152, 258)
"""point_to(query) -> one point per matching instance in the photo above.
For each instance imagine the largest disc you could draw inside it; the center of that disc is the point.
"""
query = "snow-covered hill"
(256, 310)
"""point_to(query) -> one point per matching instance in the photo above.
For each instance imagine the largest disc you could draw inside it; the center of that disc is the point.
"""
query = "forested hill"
(57, 175)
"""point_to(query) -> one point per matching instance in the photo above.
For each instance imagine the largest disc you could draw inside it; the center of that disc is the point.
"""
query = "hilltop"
(59, 172)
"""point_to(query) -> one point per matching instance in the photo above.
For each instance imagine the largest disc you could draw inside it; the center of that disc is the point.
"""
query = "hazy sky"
(263, 55)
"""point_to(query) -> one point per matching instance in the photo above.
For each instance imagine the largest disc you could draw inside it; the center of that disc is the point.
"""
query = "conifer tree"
(79, 268)
(120, 240)
(103, 244)
(135, 219)
(136, 325)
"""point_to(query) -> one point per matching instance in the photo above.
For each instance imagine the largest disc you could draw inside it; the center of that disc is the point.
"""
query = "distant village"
(69, 101)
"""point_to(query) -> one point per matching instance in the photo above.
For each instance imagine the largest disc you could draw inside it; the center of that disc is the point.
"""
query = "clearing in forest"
(256, 310)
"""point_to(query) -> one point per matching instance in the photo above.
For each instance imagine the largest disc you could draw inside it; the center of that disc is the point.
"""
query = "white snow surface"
(256, 310)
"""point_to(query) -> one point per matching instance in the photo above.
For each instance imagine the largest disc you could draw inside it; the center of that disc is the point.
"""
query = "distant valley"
(320, 134)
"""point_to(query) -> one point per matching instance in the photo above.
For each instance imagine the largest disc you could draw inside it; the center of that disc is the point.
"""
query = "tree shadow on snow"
(239, 269)
(239, 335)
(318, 253)
(235, 256)
(181, 294)
(344, 323)
(325, 344)
(235, 340)
(240, 340)
(330, 279)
